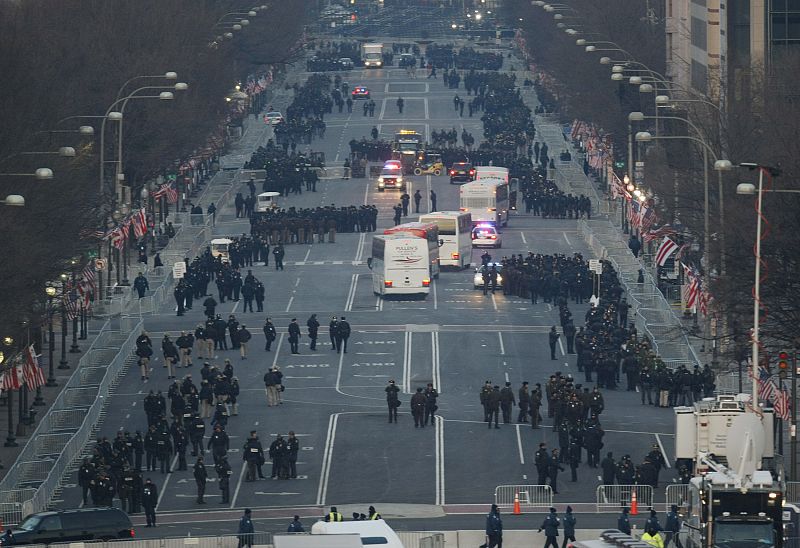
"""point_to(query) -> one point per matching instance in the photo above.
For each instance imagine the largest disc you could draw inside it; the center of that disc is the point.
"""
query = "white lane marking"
(297, 282)
(663, 453)
(519, 446)
(360, 247)
(166, 481)
(238, 486)
(524, 241)
(439, 460)
(502, 346)
(307, 254)
(494, 302)
(289, 305)
(406, 386)
(506, 374)
(327, 454)
(561, 346)
(435, 296)
(436, 376)
(366, 193)
(277, 352)
(235, 306)
(567, 239)
(351, 294)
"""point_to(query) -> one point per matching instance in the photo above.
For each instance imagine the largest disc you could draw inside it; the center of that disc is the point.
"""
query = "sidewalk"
(9, 454)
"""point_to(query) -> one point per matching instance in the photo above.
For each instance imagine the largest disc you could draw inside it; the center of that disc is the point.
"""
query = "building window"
(699, 76)
(699, 34)
(669, 8)
(669, 47)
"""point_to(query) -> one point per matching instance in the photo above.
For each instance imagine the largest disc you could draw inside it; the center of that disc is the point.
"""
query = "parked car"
(73, 526)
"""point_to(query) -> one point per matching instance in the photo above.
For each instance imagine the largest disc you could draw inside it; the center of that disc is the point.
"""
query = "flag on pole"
(691, 287)
(34, 376)
(70, 302)
(654, 234)
(766, 386)
(10, 380)
(781, 404)
(649, 217)
(633, 213)
(139, 222)
(667, 248)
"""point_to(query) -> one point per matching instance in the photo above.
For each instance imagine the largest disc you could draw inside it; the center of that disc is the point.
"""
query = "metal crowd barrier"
(68, 427)
(792, 492)
(677, 494)
(610, 498)
(530, 496)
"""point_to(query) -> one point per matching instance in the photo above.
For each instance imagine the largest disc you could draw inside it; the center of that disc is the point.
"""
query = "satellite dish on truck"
(745, 444)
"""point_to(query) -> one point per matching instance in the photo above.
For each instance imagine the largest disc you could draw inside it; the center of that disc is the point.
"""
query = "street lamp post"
(74, 348)
(63, 364)
(11, 440)
(51, 337)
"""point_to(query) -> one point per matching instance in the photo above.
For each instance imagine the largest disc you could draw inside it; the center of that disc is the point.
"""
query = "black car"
(73, 525)
(461, 172)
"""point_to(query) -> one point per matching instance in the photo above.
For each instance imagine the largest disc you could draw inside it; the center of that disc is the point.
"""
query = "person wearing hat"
(524, 402)
(373, 514)
(418, 408)
(672, 527)
(484, 399)
(507, 401)
(200, 478)
(243, 336)
(494, 528)
(550, 526)
(223, 469)
(246, 529)
(493, 406)
(651, 537)
(392, 401)
(333, 329)
(296, 526)
(334, 515)
(652, 523)
(624, 521)
(569, 527)
(150, 501)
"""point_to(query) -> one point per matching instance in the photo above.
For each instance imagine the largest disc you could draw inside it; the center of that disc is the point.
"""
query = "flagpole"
(63, 364)
(11, 441)
(757, 285)
(74, 348)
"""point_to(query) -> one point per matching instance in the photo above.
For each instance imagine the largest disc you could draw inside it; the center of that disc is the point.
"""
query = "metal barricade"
(530, 496)
(11, 512)
(610, 498)
(677, 494)
(792, 492)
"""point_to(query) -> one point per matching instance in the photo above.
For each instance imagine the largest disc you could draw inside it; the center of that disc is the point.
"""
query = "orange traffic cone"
(517, 510)
(634, 504)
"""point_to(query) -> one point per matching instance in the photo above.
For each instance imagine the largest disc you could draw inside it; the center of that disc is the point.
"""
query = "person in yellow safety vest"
(652, 538)
(333, 515)
(373, 514)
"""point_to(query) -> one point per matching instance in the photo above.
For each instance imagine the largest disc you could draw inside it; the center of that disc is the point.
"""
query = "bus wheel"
(437, 172)
(417, 171)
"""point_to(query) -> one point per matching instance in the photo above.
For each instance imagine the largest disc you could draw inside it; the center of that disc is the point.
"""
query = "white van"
(372, 532)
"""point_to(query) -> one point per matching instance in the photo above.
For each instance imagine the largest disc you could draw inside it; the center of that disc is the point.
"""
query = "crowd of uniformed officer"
(301, 225)
(546, 277)
(305, 116)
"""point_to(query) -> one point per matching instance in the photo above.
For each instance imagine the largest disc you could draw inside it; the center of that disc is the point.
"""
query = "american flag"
(654, 234)
(666, 249)
(168, 190)
(139, 222)
(691, 287)
(633, 213)
(70, 302)
(649, 217)
(12, 379)
(118, 237)
(34, 376)
(766, 386)
(87, 284)
(782, 404)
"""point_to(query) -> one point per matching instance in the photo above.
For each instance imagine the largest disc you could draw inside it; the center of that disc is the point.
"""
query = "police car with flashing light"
(391, 176)
(486, 235)
(477, 278)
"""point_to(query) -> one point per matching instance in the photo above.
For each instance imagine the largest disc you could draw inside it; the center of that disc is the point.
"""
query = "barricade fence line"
(678, 495)
(530, 496)
(610, 498)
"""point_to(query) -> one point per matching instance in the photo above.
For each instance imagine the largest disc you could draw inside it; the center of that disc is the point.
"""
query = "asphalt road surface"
(456, 338)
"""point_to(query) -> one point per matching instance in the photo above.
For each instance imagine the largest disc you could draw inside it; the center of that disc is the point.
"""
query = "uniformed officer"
(200, 477)
(292, 449)
(334, 515)
(524, 401)
(430, 403)
(493, 406)
(86, 478)
(507, 402)
(126, 487)
(392, 400)
(484, 399)
(252, 454)
(149, 501)
(373, 514)
(223, 470)
(418, 408)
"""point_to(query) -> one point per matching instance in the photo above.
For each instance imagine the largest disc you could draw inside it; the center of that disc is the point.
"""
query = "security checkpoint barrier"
(610, 498)
(678, 495)
(530, 496)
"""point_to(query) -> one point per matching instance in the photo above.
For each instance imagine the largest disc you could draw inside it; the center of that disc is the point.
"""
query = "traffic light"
(783, 364)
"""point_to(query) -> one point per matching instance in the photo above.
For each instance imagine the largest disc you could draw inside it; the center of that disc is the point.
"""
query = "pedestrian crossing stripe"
(321, 263)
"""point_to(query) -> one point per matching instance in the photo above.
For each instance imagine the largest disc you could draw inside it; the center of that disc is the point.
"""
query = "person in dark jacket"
(313, 330)
(150, 501)
(569, 527)
(550, 526)
(294, 336)
(672, 527)
(609, 468)
(246, 529)
(494, 528)
(552, 339)
(553, 470)
(624, 522)
(200, 478)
